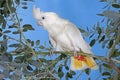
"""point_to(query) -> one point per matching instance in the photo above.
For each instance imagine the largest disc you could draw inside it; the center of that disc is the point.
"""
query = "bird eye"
(43, 17)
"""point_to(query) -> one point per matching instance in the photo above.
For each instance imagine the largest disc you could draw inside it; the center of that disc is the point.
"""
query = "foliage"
(30, 60)
(109, 37)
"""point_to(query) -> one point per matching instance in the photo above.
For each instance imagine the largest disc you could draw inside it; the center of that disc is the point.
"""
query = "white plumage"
(64, 35)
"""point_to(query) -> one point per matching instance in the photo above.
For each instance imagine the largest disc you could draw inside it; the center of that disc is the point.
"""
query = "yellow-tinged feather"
(77, 63)
(90, 62)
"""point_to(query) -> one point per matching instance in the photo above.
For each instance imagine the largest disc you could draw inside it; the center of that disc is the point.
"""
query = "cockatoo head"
(44, 19)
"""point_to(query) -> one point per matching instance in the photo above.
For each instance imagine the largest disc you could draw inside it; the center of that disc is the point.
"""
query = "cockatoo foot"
(80, 57)
(51, 51)
(75, 54)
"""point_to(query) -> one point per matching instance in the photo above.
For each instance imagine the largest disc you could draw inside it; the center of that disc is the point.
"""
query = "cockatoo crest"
(37, 12)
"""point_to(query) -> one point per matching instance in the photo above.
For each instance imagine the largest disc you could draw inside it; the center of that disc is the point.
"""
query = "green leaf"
(102, 39)
(87, 71)
(116, 53)
(60, 72)
(116, 5)
(81, 30)
(6, 57)
(111, 14)
(32, 43)
(12, 26)
(110, 43)
(3, 45)
(17, 2)
(104, 43)
(19, 59)
(4, 25)
(100, 68)
(24, 7)
(7, 31)
(92, 42)
(106, 74)
(37, 42)
(36, 63)
(103, 0)
(89, 78)
(29, 68)
(0, 32)
(63, 56)
(69, 75)
(25, 30)
(28, 54)
(98, 29)
(100, 14)
(28, 27)
(9, 56)
(14, 45)
(66, 67)
(42, 47)
(16, 32)
(72, 72)
(60, 69)
(92, 35)
(24, 3)
(29, 40)
(1, 19)
(12, 9)
(106, 66)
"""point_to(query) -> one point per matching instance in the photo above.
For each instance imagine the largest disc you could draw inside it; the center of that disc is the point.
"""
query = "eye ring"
(43, 17)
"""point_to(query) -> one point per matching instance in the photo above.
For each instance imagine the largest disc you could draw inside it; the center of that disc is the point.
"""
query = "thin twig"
(14, 19)
(114, 67)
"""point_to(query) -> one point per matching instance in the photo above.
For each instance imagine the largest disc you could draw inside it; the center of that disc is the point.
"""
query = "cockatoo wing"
(76, 38)
(53, 42)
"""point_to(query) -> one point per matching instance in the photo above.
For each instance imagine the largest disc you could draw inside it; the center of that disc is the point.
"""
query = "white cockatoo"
(65, 36)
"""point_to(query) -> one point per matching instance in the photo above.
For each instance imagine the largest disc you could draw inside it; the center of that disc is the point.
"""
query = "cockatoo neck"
(55, 28)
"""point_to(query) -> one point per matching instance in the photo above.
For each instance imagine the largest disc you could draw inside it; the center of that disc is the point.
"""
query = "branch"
(115, 43)
(110, 60)
(19, 29)
(72, 53)
(102, 58)
(114, 67)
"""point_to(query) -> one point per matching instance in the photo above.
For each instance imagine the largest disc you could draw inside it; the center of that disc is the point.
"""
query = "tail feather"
(80, 64)
(91, 63)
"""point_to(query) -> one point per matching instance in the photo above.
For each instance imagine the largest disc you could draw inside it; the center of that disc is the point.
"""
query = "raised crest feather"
(36, 12)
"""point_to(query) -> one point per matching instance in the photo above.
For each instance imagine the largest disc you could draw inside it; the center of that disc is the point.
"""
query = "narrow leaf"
(14, 45)
(24, 7)
(106, 74)
(7, 31)
(28, 27)
(87, 71)
(37, 42)
(92, 42)
(116, 5)
(102, 39)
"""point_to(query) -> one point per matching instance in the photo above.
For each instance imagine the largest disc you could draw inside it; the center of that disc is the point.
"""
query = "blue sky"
(82, 13)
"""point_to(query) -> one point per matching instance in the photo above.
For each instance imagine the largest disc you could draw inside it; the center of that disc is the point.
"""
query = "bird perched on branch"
(65, 36)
